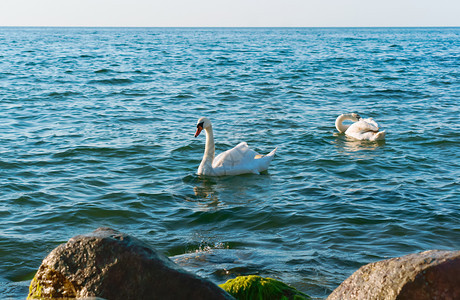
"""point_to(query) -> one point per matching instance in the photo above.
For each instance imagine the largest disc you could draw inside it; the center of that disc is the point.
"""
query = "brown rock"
(427, 275)
(113, 265)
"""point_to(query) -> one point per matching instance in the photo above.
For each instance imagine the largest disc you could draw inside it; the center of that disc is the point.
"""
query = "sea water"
(97, 125)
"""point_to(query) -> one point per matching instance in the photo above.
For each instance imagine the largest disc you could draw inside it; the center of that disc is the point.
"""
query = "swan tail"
(272, 153)
(380, 136)
(264, 161)
(269, 157)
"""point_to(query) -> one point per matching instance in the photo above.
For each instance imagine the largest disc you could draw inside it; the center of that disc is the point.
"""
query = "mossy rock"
(254, 287)
(47, 277)
(112, 265)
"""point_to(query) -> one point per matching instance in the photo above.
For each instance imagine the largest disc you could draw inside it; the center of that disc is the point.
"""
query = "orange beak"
(198, 130)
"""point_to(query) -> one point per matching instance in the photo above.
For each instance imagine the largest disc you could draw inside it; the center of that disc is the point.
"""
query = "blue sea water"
(97, 124)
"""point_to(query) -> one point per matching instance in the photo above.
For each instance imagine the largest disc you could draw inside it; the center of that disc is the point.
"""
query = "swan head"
(355, 117)
(203, 123)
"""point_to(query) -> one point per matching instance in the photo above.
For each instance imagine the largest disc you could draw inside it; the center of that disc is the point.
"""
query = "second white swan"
(361, 129)
(236, 161)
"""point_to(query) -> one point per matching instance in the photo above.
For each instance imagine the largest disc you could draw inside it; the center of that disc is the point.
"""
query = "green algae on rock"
(46, 277)
(254, 287)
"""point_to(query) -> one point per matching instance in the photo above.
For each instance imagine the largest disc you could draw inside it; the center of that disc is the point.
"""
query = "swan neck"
(339, 123)
(209, 149)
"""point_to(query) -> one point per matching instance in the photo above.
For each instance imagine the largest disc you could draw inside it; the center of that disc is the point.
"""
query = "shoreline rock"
(112, 265)
(108, 264)
(428, 275)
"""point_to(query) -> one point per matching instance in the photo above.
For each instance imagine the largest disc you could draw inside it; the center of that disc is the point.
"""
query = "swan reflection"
(215, 192)
(349, 144)
(205, 193)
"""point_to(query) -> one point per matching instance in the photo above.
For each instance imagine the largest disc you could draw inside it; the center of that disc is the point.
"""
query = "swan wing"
(241, 160)
(235, 156)
(363, 125)
(365, 129)
(372, 124)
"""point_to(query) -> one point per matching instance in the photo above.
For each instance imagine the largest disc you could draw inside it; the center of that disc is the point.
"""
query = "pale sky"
(230, 13)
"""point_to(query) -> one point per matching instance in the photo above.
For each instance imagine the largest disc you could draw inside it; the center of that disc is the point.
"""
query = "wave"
(103, 71)
(112, 81)
(63, 94)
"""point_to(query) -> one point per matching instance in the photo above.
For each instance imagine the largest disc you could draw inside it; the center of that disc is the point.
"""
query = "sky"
(230, 13)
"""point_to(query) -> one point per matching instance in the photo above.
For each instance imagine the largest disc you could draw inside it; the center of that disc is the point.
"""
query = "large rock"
(427, 275)
(113, 265)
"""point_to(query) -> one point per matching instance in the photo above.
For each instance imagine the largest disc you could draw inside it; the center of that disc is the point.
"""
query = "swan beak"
(198, 130)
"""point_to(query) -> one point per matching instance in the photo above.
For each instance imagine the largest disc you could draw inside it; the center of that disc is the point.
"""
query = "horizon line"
(230, 27)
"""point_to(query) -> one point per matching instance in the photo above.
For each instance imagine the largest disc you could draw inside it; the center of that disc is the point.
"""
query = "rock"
(255, 287)
(427, 275)
(113, 265)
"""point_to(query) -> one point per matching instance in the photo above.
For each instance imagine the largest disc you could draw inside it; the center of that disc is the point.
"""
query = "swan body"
(236, 161)
(361, 129)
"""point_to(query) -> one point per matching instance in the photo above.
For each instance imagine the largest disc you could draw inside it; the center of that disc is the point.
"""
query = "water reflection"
(202, 191)
(348, 144)
(216, 192)
(206, 193)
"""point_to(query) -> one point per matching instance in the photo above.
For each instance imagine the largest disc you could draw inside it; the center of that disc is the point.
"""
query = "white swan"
(361, 129)
(239, 160)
